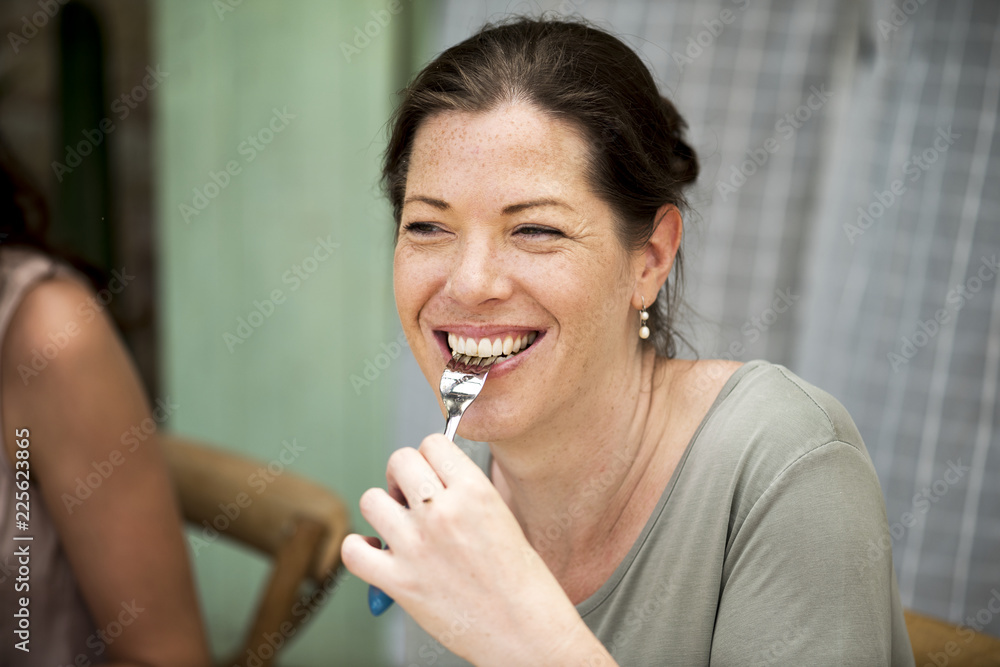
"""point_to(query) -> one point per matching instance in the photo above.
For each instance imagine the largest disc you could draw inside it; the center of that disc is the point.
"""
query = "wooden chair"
(940, 643)
(297, 522)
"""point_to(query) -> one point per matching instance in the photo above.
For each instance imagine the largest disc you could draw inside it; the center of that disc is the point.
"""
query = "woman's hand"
(460, 564)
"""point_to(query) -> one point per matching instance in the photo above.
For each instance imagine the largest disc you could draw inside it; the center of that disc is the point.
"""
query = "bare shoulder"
(52, 318)
(58, 348)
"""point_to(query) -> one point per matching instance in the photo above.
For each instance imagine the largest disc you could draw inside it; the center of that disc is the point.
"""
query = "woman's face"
(502, 238)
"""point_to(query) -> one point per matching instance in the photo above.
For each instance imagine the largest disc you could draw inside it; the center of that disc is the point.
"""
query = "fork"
(461, 382)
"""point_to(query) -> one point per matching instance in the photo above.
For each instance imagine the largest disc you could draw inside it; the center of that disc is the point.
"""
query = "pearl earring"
(643, 316)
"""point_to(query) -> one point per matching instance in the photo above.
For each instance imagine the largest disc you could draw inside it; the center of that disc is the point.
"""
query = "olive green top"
(763, 549)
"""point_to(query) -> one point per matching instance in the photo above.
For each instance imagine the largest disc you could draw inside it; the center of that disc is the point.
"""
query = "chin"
(487, 433)
(493, 422)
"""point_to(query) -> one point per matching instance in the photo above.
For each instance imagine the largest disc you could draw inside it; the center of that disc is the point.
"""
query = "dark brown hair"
(24, 217)
(573, 71)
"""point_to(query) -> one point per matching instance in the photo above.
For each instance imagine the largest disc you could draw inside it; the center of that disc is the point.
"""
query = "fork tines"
(466, 363)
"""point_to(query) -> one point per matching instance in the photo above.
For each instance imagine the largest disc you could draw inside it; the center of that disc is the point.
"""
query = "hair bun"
(683, 161)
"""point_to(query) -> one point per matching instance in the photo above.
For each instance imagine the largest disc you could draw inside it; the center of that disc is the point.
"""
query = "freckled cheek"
(581, 296)
(415, 277)
(561, 286)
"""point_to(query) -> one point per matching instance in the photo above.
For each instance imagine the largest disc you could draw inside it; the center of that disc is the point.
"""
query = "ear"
(654, 262)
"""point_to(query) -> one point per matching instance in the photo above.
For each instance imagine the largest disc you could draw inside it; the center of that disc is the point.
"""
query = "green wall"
(229, 67)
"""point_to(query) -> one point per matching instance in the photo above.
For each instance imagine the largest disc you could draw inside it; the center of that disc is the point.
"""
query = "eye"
(421, 228)
(537, 231)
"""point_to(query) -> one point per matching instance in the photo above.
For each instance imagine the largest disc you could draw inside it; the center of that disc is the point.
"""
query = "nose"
(477, 276)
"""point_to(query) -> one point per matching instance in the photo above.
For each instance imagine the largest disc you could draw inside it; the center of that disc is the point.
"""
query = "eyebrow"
(436, 203)
(517, 208)
(508, 210)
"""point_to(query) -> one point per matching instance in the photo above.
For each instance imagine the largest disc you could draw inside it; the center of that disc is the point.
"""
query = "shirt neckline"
(607, 588)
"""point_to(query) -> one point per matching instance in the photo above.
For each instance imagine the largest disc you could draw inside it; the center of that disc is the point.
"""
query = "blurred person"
(630, 507)
(104, 577)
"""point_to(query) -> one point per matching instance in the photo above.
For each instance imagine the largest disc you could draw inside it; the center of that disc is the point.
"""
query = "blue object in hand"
(378, 601)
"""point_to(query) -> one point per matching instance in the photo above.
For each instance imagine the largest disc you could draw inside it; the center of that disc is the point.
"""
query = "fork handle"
(451, 426)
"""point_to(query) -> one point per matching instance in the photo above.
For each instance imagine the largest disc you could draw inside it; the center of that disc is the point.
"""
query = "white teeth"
(486, 348)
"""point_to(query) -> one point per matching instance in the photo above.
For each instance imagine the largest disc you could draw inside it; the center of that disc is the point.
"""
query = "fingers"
(413, 476)
(386, 516)
(365, 560)
(410, 477)
(448, 460)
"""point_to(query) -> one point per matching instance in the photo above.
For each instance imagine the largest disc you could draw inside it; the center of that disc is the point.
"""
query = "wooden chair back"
(937, 642)
(295, 521)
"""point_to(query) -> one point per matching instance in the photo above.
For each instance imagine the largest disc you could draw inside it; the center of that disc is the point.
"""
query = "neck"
(578, 486)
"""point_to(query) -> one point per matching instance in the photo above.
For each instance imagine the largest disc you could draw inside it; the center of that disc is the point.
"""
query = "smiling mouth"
(491, 349)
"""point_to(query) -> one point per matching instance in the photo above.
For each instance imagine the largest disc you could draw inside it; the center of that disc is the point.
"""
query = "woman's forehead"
(512, 151)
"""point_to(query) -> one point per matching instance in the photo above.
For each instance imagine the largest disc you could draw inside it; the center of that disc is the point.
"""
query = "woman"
(104, 578)
(631, 508)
